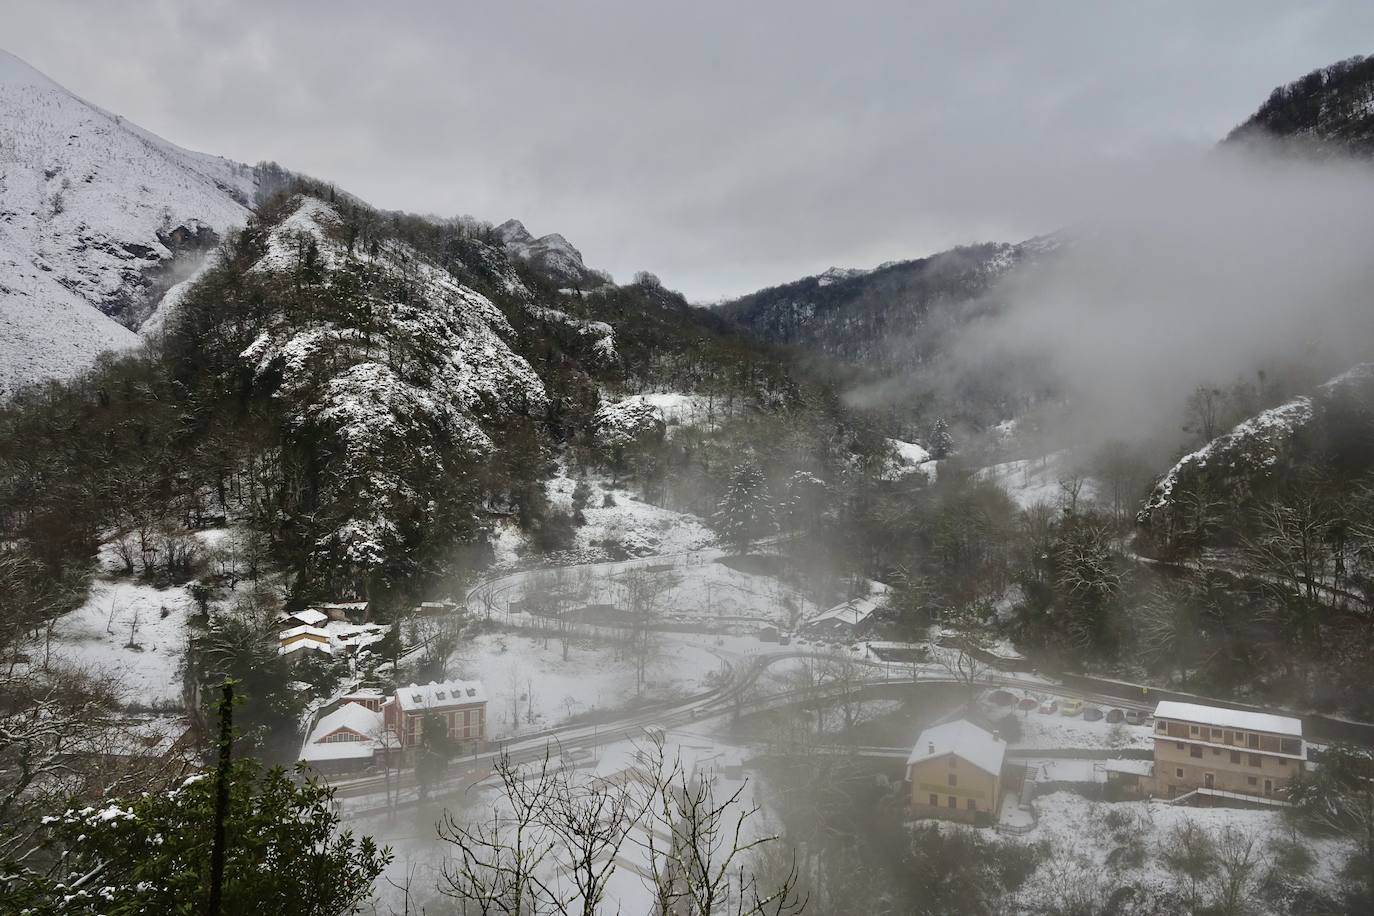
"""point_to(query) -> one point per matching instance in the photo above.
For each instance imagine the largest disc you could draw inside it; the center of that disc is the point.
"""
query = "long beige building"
(1219, 752)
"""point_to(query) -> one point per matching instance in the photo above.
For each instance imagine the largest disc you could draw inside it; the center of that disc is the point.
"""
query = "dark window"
(1254, 760)
(934, 800)
(1235, 756)
(1291, 746)
(1179, 744)
(1253, 780)
(953, 802)
(1252, 740)
(953, 779)
(1216, 734)
(972, 805)
(1195, 751)
(1179, 772)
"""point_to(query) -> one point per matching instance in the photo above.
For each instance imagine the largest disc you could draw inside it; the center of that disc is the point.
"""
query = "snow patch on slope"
(1261, 437)
(89, 204)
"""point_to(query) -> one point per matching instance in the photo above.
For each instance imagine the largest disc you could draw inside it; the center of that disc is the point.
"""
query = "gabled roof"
(303, 644)
(852, 612)
(353, 716)
(304, 631)
(437, 695)
(309, 617)
(963, 739)
(1229, 718)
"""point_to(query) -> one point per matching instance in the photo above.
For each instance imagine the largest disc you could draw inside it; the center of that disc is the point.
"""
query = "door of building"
(1268, 787)
(1209, 780)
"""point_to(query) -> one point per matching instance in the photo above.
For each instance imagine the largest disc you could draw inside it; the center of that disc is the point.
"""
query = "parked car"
(1091, 714)
(1028, 703)
(1136, 717)
(1115, 715)
(1049, 707)
(1071, 707)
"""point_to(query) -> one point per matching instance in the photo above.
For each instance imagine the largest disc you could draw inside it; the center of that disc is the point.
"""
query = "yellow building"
(955, 771)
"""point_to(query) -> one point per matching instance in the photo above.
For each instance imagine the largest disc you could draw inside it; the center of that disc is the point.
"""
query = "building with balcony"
(1216, 753)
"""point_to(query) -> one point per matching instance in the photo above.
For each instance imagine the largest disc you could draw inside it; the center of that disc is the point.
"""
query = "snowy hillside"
(1262, 449)
(94, 212)
(445, 374)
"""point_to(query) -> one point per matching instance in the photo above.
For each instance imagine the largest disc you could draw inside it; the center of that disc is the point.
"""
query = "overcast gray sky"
(725, 146)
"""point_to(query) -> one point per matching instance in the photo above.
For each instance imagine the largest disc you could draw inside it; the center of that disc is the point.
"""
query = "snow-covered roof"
(438, 695)
(303, 630)
(1133, 767)
(853, 612)
(309, 617)
(1229, 718)
(352, 716)
(356, 718)
(310, 644)
(965, 740)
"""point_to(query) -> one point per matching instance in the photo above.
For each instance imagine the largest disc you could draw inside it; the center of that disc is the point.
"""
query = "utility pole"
(226, 741)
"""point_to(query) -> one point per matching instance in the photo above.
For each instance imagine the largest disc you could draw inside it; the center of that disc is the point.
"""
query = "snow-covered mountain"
(550, 254)
(890, 318)
(98, 218)
(1262, 451)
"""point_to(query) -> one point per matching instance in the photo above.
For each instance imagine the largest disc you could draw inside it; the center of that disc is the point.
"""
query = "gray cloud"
(1192, 270)
(723, 145)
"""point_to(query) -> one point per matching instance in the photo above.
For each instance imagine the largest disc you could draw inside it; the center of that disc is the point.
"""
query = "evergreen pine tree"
(941, 442)
(743, 513)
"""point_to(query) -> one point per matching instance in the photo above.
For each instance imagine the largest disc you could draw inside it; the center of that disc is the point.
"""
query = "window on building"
(1194, 751)
(954, 779)
(1252, 740)
(1254, 760)
(1193, 731)
(1178, 772)
(934, 800)
(1216, 734)
(953, 802)
(972, 805)
(1291, 746)
(1161, 726)
(1235, 756)
(1179, 745)
(1252, 780)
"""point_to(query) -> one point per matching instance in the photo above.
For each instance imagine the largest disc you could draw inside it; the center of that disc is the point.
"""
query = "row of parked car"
(1072, 706)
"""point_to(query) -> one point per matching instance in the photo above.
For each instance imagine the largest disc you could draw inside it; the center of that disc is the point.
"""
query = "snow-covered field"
(1047, 480)
(632, 526)
(130, 630)
(1084, 841)
(534, 688)
(419, 856)
(1060, 731)
(134, 633)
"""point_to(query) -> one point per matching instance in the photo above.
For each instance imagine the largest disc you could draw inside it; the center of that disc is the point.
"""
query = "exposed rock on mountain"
(98, 218)
(551, 255)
